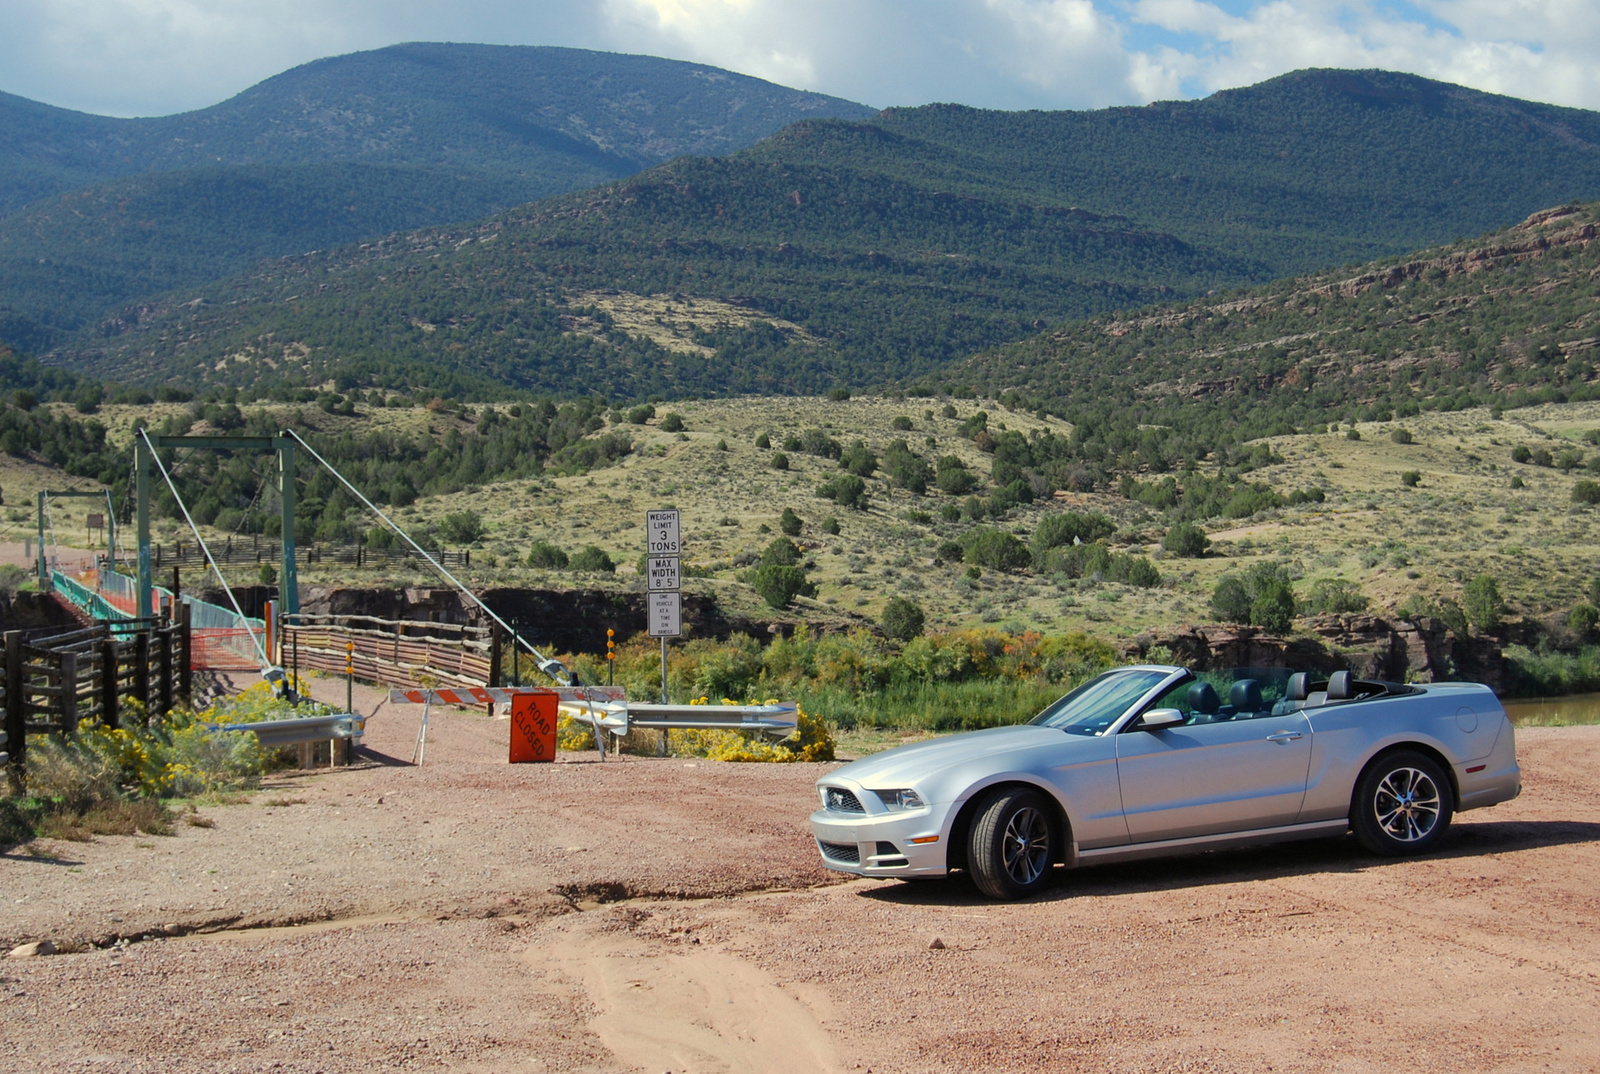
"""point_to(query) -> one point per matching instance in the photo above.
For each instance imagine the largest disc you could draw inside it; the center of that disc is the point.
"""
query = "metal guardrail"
(607, 707)
(273, 733)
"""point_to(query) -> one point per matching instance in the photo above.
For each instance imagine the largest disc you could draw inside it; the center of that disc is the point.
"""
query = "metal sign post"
(663, 545)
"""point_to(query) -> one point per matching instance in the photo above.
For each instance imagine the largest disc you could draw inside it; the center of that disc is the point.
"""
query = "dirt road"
(658, 915)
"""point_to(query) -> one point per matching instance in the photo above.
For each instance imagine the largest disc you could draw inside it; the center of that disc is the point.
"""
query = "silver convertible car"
(1152, 760)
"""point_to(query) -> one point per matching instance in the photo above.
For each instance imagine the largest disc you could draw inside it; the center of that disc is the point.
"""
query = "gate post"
(68, 682)
(165, 634)
(16, 713)
(185, 655)
(108, 682)
(141, 668)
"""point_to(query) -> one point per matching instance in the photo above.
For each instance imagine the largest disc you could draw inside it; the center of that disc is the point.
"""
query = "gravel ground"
(654, 915)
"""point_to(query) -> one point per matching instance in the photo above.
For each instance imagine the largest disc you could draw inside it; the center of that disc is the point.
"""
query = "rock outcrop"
(1420, 650)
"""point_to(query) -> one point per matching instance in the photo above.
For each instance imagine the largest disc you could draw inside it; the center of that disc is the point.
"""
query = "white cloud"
(153, 56)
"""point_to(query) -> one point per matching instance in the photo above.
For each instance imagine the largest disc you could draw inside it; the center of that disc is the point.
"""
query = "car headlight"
(903, 798)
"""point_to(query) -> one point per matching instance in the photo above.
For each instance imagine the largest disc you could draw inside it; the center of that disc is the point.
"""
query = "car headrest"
(1341, 686)
(1245, 696)
(1299, 687)
(1203, 698)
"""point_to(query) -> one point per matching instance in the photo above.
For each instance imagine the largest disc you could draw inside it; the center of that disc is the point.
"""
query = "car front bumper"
(881, 844)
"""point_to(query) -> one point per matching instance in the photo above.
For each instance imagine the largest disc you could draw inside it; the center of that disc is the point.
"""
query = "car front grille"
(840, 800)
(841, 851)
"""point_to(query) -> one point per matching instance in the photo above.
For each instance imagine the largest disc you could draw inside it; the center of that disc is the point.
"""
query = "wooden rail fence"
(53, 682)
(393, 652)
(237, 550)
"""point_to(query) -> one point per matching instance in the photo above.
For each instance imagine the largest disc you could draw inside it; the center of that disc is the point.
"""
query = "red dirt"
(647, 914)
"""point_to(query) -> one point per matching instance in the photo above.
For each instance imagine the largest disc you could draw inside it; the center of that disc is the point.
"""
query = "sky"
(155, 57)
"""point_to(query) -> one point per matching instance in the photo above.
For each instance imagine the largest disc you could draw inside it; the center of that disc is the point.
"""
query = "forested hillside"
(1507, 320)
(560, 118)
(892, 248)
(103, 212)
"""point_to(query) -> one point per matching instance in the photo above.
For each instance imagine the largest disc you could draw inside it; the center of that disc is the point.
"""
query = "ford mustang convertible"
(1153, 760)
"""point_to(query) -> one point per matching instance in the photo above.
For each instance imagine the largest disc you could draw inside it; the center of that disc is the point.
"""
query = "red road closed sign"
(533, 726)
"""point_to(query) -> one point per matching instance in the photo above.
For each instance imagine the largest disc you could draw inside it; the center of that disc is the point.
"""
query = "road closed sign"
(662, 572)
(661, 533)
(666, 614)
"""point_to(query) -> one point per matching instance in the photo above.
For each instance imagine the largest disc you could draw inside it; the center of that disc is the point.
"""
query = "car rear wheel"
(1012, 843)
(1403, 804)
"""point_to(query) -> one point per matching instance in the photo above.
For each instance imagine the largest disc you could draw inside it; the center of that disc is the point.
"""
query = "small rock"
(936, 944)
(33, 950)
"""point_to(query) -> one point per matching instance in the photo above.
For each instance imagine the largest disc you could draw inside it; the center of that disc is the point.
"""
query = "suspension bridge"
(222, 637)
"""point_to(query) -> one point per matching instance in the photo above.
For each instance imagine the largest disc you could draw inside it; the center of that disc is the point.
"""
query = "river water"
(1575, 708)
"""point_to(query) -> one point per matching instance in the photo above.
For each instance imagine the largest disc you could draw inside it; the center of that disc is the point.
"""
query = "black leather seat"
(1299, 687)
(1204, 702)
(1341, 686)
(1245, 697)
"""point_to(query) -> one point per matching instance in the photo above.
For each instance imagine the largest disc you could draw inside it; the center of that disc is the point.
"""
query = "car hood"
(906, 765)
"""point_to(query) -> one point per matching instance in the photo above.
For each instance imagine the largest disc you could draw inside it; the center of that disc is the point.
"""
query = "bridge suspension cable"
(549, 665)
(266, 662)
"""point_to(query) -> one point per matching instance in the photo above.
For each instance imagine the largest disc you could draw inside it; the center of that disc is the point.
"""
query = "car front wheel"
(1403, 805)
(1012, 844)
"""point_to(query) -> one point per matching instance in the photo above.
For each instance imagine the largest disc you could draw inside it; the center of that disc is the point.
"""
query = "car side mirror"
(1160, 719)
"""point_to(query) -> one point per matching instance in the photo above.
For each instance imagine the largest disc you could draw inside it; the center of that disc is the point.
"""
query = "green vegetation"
(102, 780)
(346, 148)
(864, 252)
(950, 681)
(1262, 596)
(1299, 355)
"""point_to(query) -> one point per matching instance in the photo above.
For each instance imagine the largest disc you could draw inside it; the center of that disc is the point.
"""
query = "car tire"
(1012, 843)
(1403, 804)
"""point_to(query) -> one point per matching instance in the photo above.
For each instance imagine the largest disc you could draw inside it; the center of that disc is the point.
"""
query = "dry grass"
(1463, 519)
(114, 817)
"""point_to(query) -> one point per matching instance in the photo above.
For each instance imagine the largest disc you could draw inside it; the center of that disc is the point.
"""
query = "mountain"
(868, 252)
(1508, 319)
(96, 212)
(559, 118)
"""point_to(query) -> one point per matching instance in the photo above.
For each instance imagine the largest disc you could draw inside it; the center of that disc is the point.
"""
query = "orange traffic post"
(533, 726)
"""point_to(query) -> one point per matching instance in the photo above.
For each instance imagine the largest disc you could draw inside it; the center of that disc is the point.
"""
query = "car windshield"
(1095, 705)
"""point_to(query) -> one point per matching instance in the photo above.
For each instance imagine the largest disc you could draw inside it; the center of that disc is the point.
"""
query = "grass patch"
(274, 803)
(114, 817)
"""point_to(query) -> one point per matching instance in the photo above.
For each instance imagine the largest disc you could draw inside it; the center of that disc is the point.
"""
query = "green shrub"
(1586, 492)
(1401, 436)
(640, 414)
(994, 548)
(1411, 479)
(817, 442)
(1070, 527)
(592, 558)
(901, 423)
(839, 395)
(1262, 597)
(1482, 602)
(1336, 596)
(1582, 619)
(789, 523)
(1520, 453)
(763, 441)
(461, 527)
(781, 552)
(778, 461)
(956, 481)
(847, 490)
(1186, 539)
(546, 555)
(859, 460)
(902, 619)
(950, 552)
(830, 526)
(779, 585)
(673, 423)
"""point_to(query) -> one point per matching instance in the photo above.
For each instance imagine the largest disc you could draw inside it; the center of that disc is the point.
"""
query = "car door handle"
(1281, 737)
